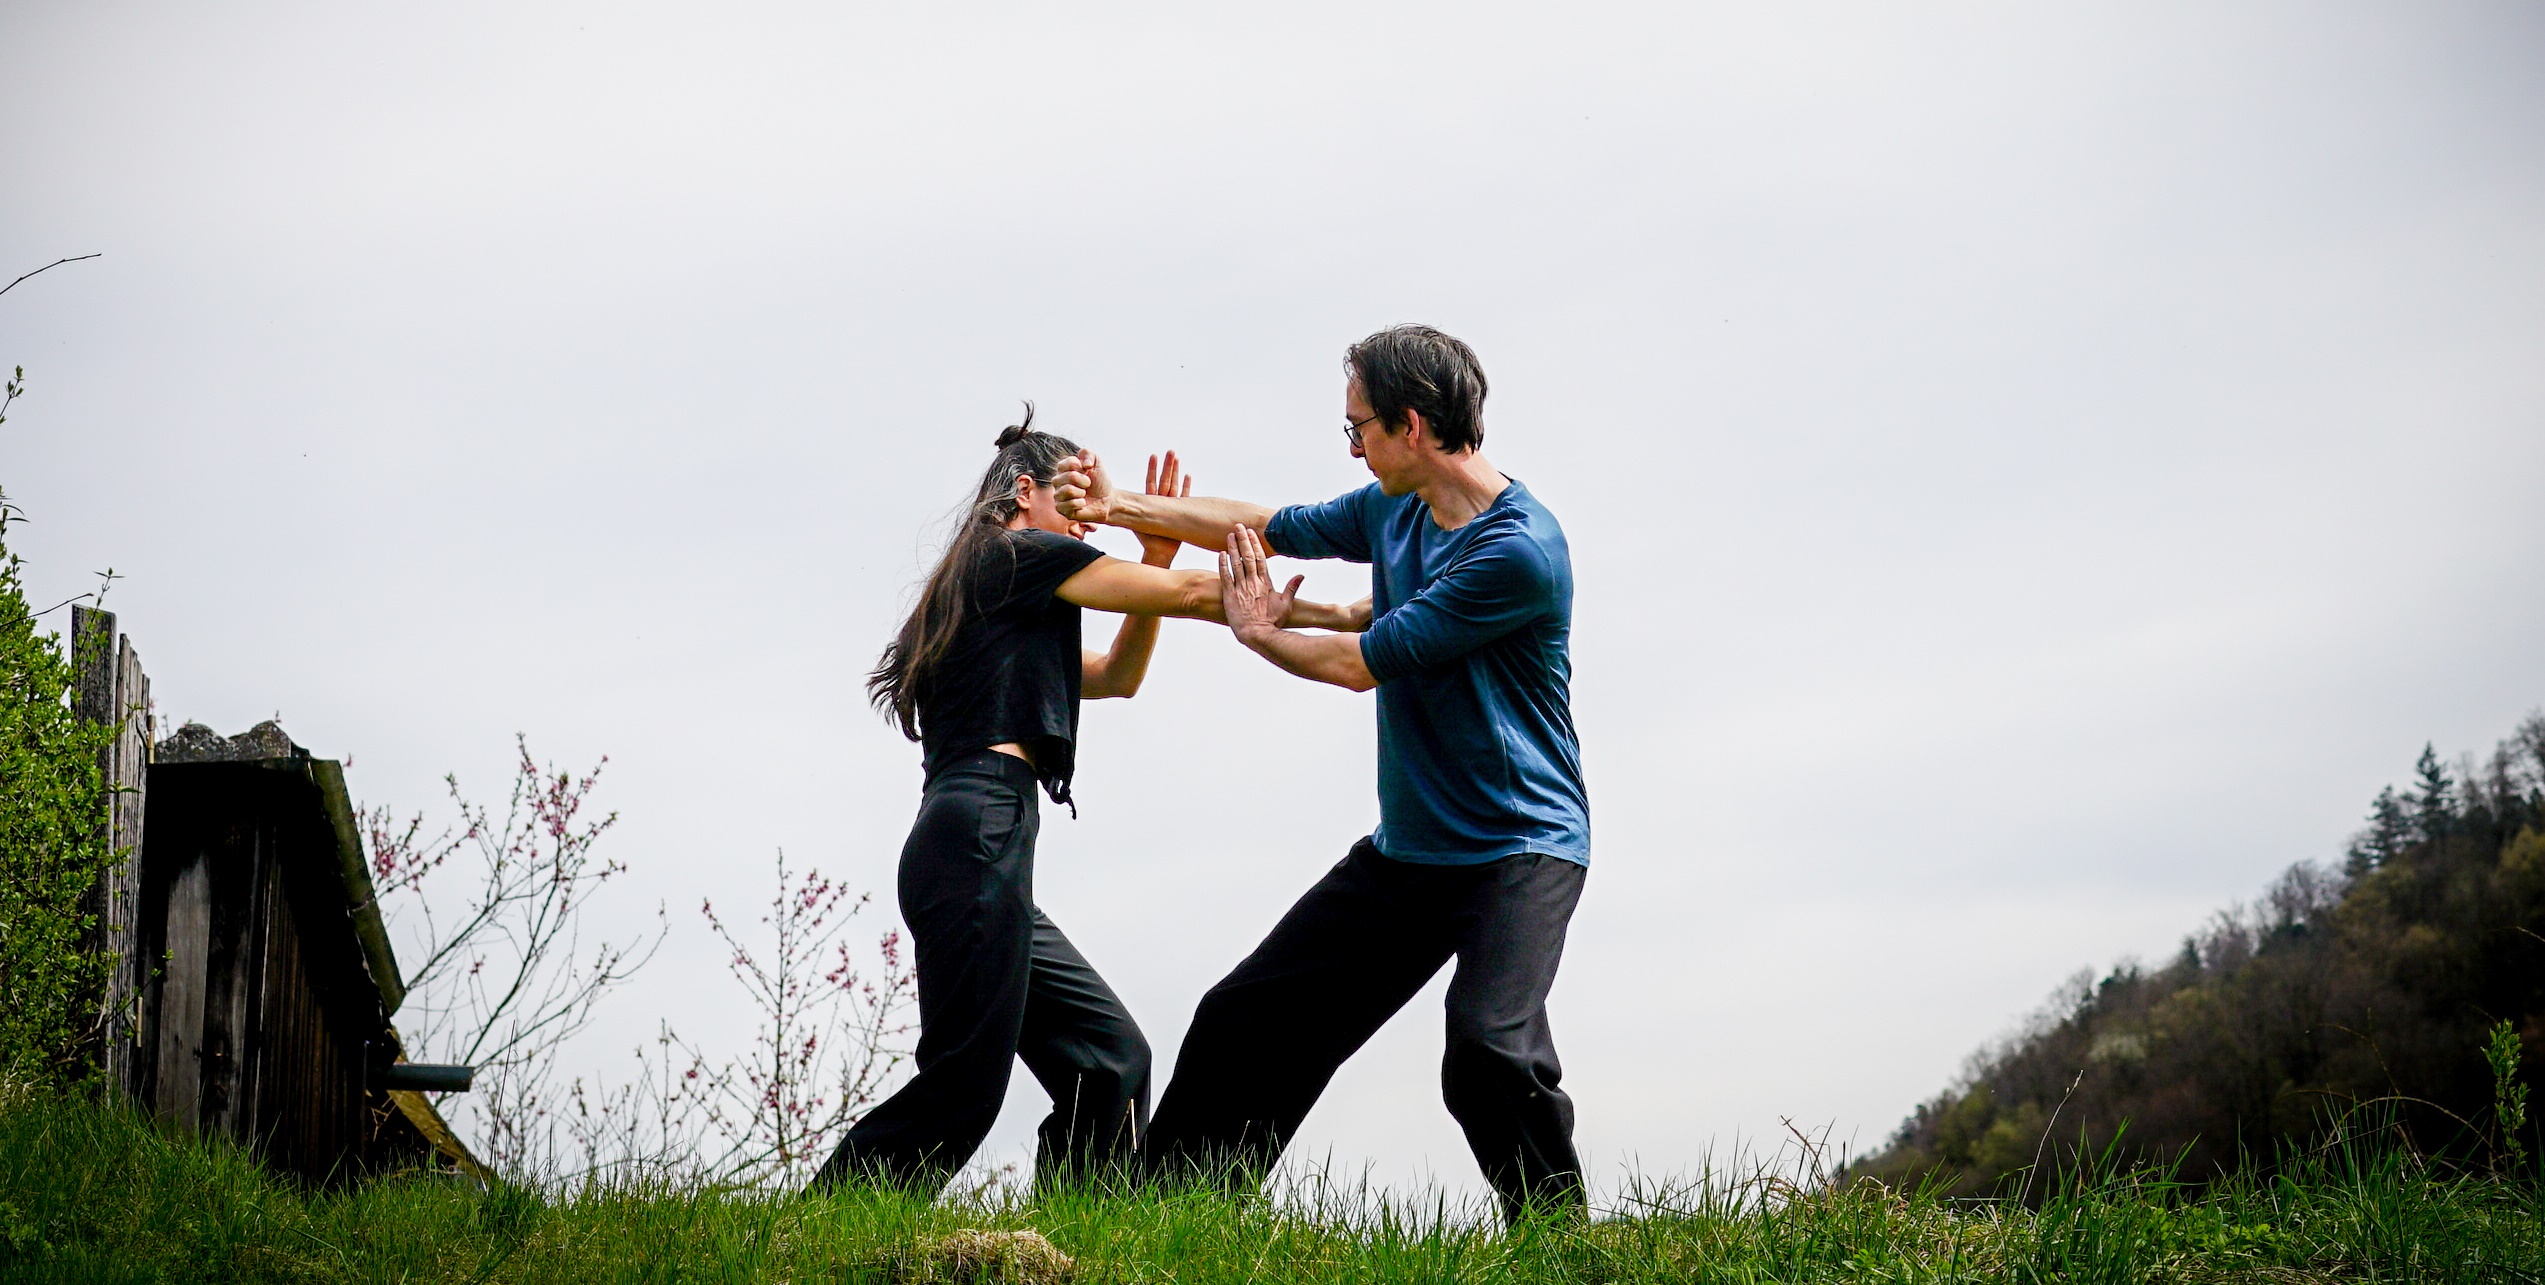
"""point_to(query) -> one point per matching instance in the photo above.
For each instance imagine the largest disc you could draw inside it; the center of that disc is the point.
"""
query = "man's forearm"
(1341, 618)
(1323, 658)
(1196, 520)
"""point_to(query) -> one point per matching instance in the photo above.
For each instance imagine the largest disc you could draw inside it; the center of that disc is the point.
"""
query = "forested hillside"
(2368, 992)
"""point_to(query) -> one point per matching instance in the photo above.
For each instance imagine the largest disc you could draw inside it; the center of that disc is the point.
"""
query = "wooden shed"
(257, 983)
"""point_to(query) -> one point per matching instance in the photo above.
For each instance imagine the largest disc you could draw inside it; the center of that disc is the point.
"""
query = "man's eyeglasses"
(1352, 431)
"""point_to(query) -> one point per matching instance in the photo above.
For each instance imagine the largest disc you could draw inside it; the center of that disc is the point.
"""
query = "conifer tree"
(2434, 803)
(2390, 827)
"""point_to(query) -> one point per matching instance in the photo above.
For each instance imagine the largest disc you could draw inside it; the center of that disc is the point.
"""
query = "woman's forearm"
(1137, 590)
(1203, 602)
(1123, 668)
(1126, 665)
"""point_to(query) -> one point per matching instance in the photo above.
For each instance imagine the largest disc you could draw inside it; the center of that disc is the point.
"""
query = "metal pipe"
(427, 1077)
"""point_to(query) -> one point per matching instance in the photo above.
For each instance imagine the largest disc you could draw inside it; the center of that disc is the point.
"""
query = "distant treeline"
(2342, 996)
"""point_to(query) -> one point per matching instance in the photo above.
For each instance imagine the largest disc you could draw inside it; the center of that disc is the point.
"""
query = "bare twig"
(507, 985)
(2410, 1100)
(506, 980)
(2373, 1051)
(1811, 1150)
(106, 580)
(829, 1037)
(2026, 1193)
(2355, 1105)
(48, 268)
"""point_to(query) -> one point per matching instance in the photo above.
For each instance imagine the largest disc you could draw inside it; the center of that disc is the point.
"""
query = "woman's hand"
(1164, 479)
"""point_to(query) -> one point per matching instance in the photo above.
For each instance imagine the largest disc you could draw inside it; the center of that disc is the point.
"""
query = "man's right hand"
(1246, 593)
(1081, 490)
(1255, 611)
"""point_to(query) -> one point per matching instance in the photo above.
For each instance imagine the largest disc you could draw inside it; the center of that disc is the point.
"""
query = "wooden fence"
(113, 690)
(254, 983)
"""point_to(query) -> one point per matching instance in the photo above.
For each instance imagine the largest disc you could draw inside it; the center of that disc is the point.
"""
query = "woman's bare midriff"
(1014, 750)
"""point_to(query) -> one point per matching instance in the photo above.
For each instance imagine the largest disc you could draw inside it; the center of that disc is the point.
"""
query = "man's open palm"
(1246, 590)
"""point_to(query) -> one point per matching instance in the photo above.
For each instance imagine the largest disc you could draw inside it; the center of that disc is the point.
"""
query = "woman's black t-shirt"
(1013, 670)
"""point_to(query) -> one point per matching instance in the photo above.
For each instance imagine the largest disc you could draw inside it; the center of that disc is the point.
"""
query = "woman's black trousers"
(997, 981)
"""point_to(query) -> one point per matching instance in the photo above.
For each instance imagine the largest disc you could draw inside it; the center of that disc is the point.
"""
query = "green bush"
(53, 847)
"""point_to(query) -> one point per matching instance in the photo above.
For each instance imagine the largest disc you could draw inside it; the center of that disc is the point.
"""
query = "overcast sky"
(2032, 472)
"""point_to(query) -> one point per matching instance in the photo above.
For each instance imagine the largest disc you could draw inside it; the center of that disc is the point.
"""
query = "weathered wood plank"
(128, 776)
(241, 868)
(360, 898)
(179, 1081)
(93, 660)
(111, 689)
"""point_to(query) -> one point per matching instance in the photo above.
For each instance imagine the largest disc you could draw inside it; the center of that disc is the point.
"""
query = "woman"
(986, 675)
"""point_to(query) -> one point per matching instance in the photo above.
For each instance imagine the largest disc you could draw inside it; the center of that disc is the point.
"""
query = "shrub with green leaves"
(53, 844)
(2502, 1049)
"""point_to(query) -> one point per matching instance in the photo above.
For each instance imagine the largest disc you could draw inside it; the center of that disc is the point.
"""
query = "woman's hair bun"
(1015, 433)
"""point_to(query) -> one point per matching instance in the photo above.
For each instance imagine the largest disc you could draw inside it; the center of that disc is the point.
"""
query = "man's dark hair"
(1416, 368)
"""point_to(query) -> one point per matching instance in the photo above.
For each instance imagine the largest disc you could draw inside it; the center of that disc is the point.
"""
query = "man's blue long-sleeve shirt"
(1469, 638)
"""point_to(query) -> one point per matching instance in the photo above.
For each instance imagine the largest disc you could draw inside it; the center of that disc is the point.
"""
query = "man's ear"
(1416, 429)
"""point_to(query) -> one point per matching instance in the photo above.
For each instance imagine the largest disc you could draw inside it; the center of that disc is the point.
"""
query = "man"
(1484, 828)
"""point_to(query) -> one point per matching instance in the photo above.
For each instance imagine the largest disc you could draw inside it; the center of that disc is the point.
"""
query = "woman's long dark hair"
(911, 661)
